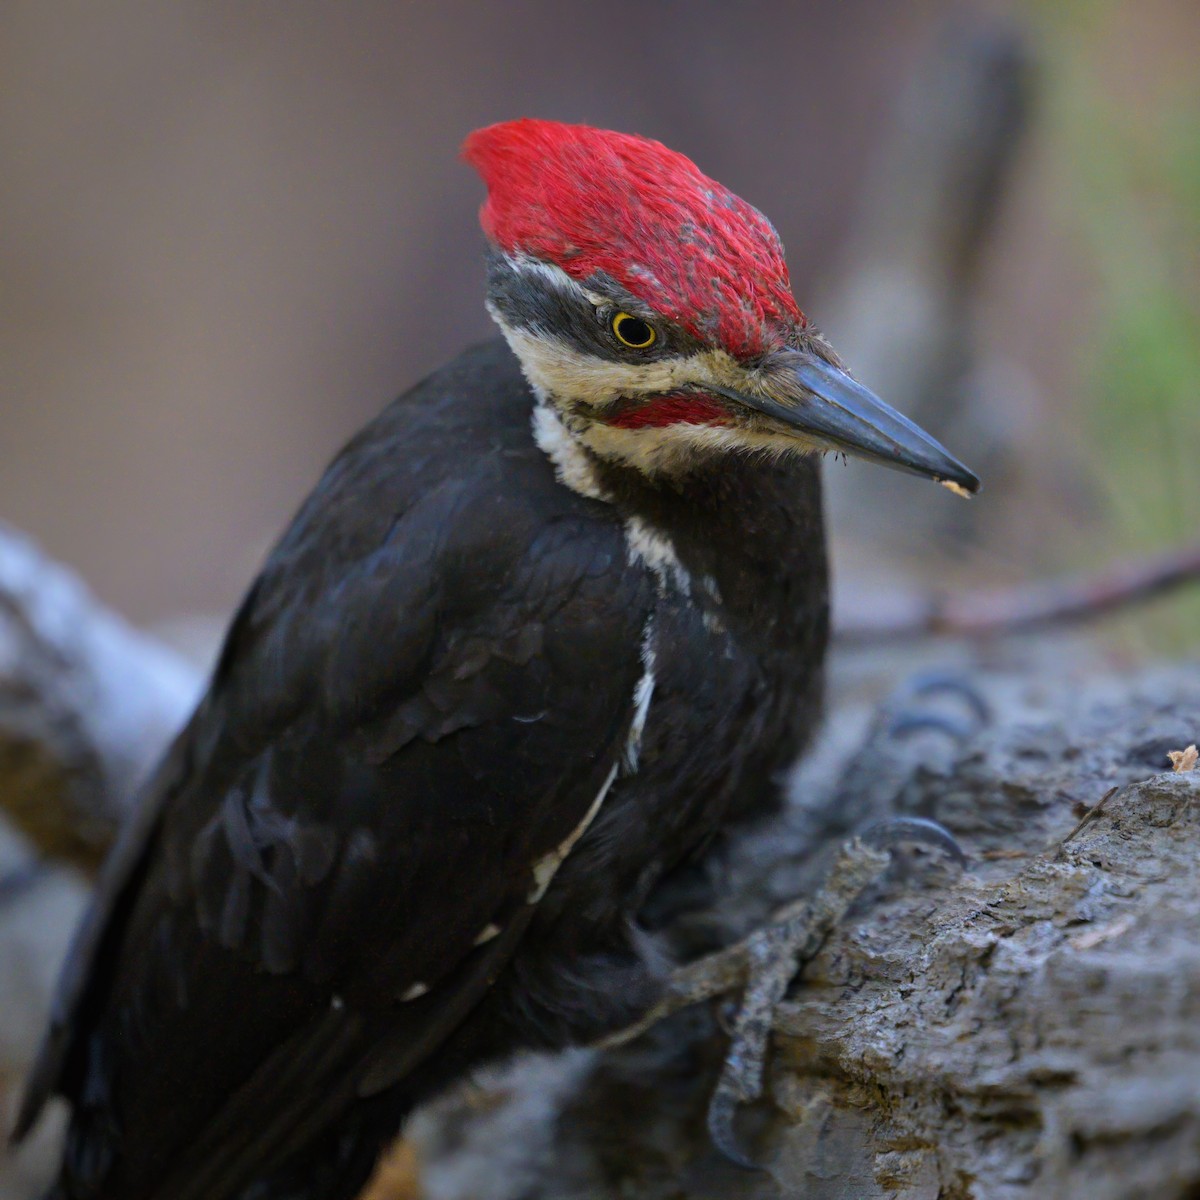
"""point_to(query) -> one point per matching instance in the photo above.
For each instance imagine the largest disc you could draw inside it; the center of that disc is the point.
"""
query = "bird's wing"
(408, 726)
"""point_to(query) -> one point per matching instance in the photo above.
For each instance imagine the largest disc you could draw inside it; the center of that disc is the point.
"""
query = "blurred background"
(230, 232)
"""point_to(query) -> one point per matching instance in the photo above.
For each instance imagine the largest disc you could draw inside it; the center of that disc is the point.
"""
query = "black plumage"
(326, 910)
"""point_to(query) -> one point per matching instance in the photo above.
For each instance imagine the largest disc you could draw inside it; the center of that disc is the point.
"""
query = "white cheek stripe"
(557, 368)
(560, 372)
(572, 465)
(675, 447)
(555, 276)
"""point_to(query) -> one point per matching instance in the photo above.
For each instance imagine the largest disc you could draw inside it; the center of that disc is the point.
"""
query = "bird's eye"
(633, 332)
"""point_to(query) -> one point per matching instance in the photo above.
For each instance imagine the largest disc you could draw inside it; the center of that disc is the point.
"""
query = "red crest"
(590, 200)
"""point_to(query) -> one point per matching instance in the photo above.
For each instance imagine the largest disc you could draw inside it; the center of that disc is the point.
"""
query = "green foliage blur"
(1133, 186)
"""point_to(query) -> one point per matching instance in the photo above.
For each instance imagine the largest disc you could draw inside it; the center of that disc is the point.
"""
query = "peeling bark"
(86, 704)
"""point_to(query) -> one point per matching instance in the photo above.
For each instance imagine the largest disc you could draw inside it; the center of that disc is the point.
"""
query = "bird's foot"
(763, 966)
(941, 701)
(918, 731)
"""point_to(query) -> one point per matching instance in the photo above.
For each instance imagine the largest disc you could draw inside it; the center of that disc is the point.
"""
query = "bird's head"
(651, 310)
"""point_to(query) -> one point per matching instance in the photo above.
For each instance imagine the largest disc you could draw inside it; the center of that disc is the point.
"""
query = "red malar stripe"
(686, 409)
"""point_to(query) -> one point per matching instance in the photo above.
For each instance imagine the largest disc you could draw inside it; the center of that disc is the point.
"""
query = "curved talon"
(883, 835)
(932, 683)
(908, 723)
(722, 1113)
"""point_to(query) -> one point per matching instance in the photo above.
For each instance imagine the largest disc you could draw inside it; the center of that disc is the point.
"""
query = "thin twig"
(1087, 818)
(1014, 610)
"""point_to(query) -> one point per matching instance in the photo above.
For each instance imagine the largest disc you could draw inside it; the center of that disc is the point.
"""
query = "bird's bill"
(829, 409)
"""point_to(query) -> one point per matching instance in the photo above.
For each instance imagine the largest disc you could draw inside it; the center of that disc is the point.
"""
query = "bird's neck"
(751, 530)
(741, 534)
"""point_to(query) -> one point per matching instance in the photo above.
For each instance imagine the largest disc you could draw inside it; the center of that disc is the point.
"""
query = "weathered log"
(86, 704)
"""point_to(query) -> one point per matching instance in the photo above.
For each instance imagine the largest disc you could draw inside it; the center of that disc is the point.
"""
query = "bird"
(546, 626)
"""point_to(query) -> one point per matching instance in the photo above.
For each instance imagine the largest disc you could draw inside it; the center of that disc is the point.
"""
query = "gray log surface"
(86, 703)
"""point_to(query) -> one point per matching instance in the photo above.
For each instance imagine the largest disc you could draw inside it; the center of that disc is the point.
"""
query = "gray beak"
(833, 410)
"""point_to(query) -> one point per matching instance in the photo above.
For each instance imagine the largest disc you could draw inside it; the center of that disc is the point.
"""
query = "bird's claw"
(908, 713)
(905, 724)
(889, 833)
(722, 1115)
(764, 965)
(954, 683)
(916, 730)
(775, 954)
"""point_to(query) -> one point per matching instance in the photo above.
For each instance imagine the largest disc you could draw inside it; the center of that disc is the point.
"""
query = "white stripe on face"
(559, 369)
(568, 375)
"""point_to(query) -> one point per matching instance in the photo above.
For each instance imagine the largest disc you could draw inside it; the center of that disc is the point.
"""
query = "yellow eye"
(633, 332)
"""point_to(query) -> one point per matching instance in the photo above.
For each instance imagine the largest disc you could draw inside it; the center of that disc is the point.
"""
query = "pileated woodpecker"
(544, 625)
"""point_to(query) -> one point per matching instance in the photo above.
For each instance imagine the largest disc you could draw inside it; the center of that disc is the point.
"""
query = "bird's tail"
(334, 1166)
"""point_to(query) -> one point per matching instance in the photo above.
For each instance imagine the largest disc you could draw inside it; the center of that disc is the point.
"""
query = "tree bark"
(86, 704)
